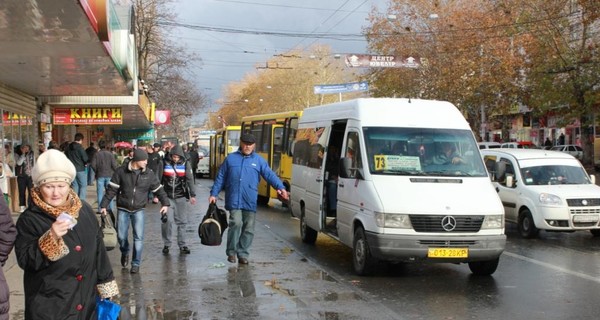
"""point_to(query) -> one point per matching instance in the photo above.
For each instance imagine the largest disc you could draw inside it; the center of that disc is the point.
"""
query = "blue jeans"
(80, 184)
(137, 226)
(91, 176)
(101, 190)
(241, 233)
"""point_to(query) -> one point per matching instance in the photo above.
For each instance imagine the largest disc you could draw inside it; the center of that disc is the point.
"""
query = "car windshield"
(423, 152)
(554, 174)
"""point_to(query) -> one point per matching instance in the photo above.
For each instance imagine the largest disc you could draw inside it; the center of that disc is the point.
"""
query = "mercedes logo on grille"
(584, 202)
(448, 223)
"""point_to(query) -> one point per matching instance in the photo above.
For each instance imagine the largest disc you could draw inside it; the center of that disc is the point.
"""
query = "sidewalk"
(278, 283)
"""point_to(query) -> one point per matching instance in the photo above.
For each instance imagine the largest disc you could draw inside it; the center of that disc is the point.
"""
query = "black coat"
(65, 288)
(77, 155)
(131, 189)
(8, 233)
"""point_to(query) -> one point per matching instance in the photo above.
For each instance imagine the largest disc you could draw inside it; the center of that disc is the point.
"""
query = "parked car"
(519, 145)
(572, 149)
(544, 190)
(488, 145)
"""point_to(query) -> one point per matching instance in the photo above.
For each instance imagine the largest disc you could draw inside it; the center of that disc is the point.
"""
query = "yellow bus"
(274, 135)
(225, 141)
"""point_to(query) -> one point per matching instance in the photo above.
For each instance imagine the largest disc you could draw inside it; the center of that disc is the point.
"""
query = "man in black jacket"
(154, 161)
(132, 182)
(91, 152)
(79, 158)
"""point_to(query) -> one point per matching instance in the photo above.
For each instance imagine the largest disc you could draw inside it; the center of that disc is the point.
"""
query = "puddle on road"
(321, 275)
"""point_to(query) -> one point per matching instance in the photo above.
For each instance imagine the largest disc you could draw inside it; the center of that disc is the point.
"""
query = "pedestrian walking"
(178, 181)
(104, 165)
(239, 175)
(154, 161)
(130, 184)
(8, 234)
(91, 152)
(5, 173)
(59, 246)
(79, 158)
(23, 167)
(194, 160)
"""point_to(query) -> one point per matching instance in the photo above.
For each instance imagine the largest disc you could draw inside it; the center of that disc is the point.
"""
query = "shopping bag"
(107, 310)
(213, 226)
(109, 233)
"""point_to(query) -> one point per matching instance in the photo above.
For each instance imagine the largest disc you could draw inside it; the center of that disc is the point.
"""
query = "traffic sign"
(341, 88)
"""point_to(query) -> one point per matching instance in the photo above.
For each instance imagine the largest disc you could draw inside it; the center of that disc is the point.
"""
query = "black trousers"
(25, 185)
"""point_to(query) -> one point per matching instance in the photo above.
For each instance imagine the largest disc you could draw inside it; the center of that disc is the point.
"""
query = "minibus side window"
(353, 152)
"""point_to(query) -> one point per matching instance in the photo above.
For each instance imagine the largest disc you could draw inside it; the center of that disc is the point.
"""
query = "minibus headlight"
(493, 222)
(548, 198)
(391, 220)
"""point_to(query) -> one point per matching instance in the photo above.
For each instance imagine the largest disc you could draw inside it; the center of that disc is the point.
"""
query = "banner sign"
(13, 119)
(381, 61)
(126, 135)
(341, 88)
(63, 116)
(162, 117)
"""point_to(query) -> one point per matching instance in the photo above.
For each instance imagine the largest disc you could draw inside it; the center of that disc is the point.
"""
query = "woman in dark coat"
(8, 233)
(65, 262)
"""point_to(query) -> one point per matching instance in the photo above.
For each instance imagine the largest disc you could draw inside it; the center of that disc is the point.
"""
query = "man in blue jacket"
(240, 174)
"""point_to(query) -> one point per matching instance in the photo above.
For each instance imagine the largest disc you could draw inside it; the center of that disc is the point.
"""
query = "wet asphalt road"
(554, 277)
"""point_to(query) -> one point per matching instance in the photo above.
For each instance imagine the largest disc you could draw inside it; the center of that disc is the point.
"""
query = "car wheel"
(307, 234)
(362, 261)
(484, 268)
(595, 232)
(527, 227)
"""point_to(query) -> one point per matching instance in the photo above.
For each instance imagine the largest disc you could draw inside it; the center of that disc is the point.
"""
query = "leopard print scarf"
(72, 206)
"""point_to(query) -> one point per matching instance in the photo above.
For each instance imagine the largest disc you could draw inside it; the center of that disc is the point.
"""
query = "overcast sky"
(228, 56)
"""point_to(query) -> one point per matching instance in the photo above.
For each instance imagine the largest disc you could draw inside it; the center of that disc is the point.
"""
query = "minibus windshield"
(423, 152)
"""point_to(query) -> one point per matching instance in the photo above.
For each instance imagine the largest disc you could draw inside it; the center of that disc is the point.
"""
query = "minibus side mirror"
(345, 167)
(347, 171)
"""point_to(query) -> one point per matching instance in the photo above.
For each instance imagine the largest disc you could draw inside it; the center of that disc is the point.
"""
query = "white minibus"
(396, 180)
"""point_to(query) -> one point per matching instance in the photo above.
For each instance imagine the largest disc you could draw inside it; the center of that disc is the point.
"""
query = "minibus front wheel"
(362, 260)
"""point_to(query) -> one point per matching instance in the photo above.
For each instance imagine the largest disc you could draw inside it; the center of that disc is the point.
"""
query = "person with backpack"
(178, 181)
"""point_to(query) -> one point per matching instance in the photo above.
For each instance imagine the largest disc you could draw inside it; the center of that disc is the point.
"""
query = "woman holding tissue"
(59, 246)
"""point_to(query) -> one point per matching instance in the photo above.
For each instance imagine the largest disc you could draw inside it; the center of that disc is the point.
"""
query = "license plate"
(585, 218)
(448, 253)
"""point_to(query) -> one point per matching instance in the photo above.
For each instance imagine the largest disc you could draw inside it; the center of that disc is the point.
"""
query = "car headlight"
(493, 222)
(548, 198)
(391, 220)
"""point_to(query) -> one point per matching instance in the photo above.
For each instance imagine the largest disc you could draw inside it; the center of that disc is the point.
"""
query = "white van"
(544, 190)
(371, 173)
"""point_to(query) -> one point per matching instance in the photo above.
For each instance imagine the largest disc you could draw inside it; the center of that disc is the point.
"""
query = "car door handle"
(341, 185)
(319, 179)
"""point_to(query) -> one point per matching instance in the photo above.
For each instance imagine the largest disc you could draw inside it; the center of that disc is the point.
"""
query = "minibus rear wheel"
(484, 268)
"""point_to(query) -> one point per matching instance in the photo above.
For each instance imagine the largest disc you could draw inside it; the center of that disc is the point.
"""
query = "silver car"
(572, 149)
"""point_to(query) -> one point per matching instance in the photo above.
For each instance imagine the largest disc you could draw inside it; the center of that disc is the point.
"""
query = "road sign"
(341, 88)
(381, 61)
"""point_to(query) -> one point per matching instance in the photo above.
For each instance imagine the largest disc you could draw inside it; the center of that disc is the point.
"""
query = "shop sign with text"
(13, 119)
(88, 116)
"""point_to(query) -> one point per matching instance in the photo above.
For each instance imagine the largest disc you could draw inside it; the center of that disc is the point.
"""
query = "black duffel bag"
(213, 226)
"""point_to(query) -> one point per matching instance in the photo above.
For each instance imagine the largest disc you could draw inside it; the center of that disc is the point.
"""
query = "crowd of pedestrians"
(57, 230)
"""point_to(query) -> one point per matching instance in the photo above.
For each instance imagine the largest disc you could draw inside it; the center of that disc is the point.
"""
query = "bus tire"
(362, 260)
(308, 234)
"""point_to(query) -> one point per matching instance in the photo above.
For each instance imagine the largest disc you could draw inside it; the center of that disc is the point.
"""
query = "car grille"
(433, 223)
(593, 202)
(448, 244)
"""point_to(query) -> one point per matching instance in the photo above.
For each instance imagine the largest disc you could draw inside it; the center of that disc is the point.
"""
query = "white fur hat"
(53, 166)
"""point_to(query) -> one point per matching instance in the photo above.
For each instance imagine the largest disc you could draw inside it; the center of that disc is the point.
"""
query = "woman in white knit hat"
(59, 246)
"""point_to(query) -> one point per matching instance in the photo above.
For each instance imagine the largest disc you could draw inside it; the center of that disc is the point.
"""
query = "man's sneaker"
(166, 250)
(134, 269)
(22, 209)
(124, 259)
(231, 259)
(243, 261)
(184, 250)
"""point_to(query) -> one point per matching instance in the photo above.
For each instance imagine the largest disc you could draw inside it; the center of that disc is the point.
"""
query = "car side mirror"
(509, 180)
(499, 171)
